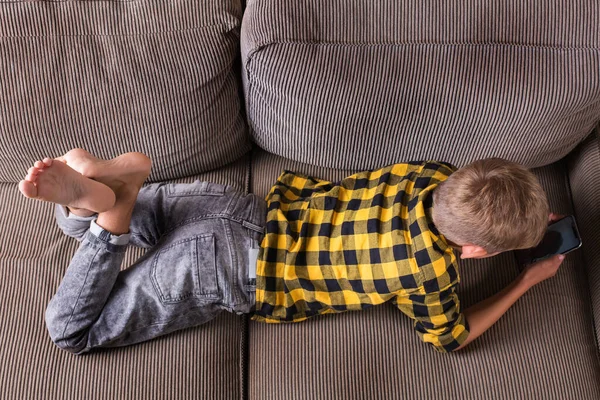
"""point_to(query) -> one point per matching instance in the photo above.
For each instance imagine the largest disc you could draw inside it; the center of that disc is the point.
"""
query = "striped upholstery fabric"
(198, 363)
(360, 84)
(584, 178)
(117, 76)
(543, 348)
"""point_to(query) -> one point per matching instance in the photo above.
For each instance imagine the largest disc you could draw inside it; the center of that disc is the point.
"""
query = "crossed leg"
(97, 304)
(87, 185)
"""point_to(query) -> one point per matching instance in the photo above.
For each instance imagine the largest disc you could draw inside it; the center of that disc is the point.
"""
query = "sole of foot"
(127, 171)
(54, 181)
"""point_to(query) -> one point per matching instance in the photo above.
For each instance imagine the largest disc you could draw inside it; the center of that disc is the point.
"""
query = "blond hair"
(493, 203)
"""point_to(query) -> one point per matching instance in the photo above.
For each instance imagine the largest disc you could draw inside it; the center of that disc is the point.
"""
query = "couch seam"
(199, 28)
(245, 334)
(259, 46)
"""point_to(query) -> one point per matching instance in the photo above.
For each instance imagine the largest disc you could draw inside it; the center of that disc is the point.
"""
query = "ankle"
(117, 219)
(116, 223)
(126, 194)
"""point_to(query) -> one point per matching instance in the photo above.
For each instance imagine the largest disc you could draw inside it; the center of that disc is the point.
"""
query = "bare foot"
(56, 182)
(123, 174)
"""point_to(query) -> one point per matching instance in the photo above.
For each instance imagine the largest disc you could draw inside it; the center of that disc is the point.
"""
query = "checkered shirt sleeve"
(438, 320)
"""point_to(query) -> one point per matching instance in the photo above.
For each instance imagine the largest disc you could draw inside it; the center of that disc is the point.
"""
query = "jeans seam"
(202, 217)
(200, 191)
(233, 202)
(235, 262)
(252, 209)
(79, 295)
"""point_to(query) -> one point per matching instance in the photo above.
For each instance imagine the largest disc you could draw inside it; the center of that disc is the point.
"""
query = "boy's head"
(490, 206)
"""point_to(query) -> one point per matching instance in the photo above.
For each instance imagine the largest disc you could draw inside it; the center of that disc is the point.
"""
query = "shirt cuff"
(445, 338)
(454, 338)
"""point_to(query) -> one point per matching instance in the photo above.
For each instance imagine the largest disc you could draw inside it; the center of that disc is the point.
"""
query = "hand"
(542, 270)
(554, 217)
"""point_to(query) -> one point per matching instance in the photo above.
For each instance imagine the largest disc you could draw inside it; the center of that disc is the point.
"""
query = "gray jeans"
(201, 240)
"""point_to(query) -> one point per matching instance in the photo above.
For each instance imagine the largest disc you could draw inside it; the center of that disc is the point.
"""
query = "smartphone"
(561, 237)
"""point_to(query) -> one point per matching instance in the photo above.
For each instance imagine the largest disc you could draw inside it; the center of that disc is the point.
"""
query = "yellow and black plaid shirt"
(369, 239)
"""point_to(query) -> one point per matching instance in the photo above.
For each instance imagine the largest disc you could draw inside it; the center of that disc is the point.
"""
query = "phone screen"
(560, 238)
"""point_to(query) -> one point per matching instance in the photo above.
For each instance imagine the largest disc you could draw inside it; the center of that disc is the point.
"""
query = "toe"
(32, 174)
(47, 161)
(39, 164)
(28, 189)
(31, 177)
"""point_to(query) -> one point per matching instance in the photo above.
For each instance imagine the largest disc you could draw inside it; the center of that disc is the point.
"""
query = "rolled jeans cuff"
(107, 237)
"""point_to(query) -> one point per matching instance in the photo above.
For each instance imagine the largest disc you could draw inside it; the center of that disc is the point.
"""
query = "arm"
(484, 314)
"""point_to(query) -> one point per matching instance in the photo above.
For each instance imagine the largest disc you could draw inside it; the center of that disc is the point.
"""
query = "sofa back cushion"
(359, 84)
(119, 76)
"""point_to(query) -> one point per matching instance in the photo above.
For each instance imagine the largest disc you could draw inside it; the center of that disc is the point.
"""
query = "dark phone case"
(528, 256)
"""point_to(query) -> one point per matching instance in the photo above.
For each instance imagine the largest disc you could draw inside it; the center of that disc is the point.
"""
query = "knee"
(57, 328)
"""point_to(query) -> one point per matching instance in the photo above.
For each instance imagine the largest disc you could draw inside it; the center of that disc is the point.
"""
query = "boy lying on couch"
(314, 247)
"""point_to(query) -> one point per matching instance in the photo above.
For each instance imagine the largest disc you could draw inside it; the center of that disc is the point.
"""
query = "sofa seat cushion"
(118, 76)
(360, 84)
(543, 348)
(584, 180)
(202, 362)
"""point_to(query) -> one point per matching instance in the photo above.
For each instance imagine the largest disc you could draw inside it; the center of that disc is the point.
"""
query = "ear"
(472, 251)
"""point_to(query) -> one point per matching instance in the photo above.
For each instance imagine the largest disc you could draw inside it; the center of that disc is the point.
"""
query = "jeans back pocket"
(186, 269)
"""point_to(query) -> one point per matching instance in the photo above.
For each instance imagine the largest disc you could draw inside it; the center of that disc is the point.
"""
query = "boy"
(314, 247)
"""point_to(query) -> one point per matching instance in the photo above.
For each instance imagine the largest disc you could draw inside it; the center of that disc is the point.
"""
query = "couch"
(233, 93)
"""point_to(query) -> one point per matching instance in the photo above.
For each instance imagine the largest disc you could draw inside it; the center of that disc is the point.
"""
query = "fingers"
(555, 259)
(552, 217)
(543, 270)
(553, 264)
(558, 260)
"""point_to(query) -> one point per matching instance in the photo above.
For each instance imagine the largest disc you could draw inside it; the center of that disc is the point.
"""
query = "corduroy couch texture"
(325, 88)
